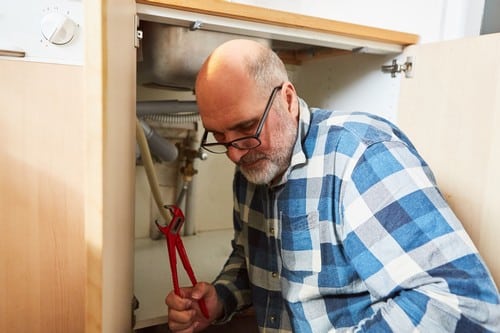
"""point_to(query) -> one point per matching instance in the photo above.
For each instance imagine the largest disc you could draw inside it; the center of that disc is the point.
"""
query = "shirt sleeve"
(410, 249)
(232, 284)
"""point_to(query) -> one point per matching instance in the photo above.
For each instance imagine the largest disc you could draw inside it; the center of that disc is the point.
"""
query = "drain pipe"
(159, 146)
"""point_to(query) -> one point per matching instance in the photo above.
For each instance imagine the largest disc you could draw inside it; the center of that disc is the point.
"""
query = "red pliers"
(174, 242)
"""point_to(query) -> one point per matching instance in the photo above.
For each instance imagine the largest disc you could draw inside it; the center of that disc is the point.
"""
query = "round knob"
(58, 28)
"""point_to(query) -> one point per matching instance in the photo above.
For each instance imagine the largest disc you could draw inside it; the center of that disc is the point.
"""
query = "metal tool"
(174, 245)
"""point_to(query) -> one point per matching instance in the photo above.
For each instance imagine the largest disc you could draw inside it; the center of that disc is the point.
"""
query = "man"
(339, 225)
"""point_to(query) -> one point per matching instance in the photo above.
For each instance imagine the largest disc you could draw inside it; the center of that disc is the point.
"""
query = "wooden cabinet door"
(451, 111)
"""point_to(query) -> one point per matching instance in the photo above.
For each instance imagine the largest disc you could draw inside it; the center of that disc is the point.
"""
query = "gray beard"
(264, 175)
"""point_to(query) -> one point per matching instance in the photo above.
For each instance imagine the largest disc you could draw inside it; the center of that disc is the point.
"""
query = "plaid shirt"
(355, 237)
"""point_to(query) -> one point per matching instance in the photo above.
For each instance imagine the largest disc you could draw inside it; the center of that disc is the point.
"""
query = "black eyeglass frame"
(234, 143)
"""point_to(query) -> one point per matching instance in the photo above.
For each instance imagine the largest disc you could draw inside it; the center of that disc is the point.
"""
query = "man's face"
(260, 165)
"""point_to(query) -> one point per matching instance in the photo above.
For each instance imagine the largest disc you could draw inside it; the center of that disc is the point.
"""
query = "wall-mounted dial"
(58, 28)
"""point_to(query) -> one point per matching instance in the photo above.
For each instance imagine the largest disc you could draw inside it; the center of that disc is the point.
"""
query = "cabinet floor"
(241, 324)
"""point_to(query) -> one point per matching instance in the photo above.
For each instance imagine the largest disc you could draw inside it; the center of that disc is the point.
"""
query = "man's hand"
(184, 314)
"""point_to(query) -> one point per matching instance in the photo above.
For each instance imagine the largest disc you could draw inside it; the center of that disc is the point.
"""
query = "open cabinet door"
(451, 111)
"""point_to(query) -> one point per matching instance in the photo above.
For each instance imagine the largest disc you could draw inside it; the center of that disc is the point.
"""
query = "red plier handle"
(174, 245)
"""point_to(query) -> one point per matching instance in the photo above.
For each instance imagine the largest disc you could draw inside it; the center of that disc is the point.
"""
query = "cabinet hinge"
(196, 25)
(396, 68)
(135, 306)
(137, 32)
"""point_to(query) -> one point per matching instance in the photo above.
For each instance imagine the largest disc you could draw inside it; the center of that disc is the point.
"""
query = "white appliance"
(42, 31)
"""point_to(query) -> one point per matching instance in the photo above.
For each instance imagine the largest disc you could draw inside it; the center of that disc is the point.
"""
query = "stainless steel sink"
(173, 55)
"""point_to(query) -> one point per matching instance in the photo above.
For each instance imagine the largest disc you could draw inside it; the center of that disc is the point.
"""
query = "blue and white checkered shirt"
(355, 237)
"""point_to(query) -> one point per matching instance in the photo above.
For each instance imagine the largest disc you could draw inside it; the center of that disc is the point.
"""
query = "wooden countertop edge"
(286, 19)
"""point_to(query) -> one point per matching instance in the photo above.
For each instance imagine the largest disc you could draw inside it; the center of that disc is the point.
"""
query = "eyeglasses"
(243, 143)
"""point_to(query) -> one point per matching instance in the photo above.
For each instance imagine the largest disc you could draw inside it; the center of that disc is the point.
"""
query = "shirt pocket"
(300, 243)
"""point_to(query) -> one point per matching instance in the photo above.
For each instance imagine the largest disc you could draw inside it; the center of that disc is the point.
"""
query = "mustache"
(251, 157)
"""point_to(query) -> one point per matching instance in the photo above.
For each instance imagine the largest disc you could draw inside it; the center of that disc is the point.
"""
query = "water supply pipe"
(152, 179)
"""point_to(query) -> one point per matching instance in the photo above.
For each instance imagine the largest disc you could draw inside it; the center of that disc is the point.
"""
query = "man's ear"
(291, 99)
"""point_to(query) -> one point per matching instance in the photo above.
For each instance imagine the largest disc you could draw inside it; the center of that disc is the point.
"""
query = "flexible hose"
(177, 118)
(150, 171)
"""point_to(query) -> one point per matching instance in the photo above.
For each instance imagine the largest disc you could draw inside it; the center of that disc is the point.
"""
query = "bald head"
(240, 64)
(226, 67)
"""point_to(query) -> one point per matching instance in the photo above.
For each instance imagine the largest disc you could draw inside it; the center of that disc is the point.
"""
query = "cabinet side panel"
(42, 248)
(110, 118)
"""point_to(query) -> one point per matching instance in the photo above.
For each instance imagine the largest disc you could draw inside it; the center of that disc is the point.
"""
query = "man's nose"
(235, 154)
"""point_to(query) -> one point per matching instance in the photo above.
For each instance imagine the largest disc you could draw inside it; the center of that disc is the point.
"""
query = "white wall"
(433, 20)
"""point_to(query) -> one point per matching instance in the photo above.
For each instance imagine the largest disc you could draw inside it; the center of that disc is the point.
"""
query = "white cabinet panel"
(451, 110)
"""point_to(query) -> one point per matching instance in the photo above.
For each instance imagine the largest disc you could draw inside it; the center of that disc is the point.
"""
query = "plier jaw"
(174, 245)
(176, 223)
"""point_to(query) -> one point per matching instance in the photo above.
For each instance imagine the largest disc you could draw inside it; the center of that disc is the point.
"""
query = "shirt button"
(272, 319)
(271, 231)
(274, 274)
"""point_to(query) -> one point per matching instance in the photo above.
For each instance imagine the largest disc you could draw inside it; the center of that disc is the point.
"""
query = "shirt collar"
(298, 155)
